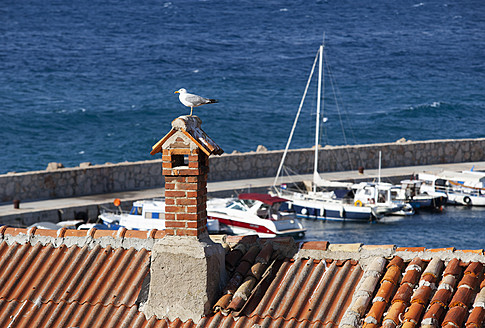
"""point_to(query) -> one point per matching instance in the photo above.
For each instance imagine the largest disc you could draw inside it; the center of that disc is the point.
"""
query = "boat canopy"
(265, 198)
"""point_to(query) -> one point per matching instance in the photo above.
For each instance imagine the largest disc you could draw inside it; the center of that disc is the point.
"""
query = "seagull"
(192, 101)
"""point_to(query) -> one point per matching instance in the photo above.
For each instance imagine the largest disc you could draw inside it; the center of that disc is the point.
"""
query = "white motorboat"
(379, 195)
(144, 215)
(410, 192)
(254, 213)
(460, 188)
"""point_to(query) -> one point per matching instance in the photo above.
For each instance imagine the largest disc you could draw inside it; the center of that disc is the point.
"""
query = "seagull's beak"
(177, 91)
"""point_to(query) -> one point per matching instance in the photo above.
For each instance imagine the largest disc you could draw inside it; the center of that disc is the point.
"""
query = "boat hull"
(332, 213)
(237, 226)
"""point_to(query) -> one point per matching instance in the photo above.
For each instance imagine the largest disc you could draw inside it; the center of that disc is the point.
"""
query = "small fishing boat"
(410, 192)
(379, 195)
(460, 188)
(254, 213)
(144, 215)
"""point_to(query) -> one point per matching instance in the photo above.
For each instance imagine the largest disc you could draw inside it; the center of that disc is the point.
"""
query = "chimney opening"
(180, 160)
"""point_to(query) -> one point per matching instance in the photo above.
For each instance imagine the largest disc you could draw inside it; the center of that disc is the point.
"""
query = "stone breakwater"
(59, 182)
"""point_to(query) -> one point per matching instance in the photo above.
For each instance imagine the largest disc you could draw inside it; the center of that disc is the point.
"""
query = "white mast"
(379, 176)
(317, 127)
(295, 121)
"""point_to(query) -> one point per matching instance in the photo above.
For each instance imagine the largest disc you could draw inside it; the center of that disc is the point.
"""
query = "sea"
(94, 81)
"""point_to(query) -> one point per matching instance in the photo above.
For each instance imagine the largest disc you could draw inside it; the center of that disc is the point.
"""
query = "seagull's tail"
(213, 101)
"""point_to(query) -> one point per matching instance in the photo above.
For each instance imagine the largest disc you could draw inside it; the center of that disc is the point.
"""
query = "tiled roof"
(72, 274)
(305, 290)
(429, 294)
(69, 285)
(68, 278)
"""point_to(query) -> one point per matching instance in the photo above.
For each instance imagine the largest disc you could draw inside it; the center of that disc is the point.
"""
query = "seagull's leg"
(191, 109)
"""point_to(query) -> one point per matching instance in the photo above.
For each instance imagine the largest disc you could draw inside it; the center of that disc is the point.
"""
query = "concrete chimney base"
(186, 277)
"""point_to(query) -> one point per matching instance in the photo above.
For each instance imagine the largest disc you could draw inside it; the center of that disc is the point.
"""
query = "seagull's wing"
(196, 100)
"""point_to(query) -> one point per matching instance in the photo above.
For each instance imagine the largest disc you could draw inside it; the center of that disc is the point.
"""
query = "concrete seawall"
(109, 178)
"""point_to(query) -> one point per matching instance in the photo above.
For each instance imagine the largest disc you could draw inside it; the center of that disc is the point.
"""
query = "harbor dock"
(88, 207)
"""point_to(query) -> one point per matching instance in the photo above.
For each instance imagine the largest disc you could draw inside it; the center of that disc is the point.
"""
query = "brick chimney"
(187, 268)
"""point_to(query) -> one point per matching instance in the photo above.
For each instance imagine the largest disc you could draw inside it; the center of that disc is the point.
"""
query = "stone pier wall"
(98, 179)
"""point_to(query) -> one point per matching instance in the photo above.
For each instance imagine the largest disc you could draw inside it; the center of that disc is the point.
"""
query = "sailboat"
(323, 199)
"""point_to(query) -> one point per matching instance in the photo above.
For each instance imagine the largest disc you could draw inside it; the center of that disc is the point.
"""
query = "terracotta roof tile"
(46, 273)
(285, 289)
(384, 294)
(317, 245)
(475, 251)
(455, 316)
(35, 314)
(373, 247)
(448, 249)
(449, 304)
(404, 293)
(410, 249)
(98, 283)
(477, 316)
(93, 232)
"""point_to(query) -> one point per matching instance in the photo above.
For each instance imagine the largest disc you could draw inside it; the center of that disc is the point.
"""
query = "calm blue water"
(93, 81)
(457, 226)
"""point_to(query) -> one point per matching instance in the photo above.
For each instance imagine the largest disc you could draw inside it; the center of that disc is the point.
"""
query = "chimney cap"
(191, 127)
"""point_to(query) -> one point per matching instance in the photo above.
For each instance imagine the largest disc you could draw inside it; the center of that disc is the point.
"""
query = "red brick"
(186, 201)
(191, 232)
(170, 201)
(194, 165)
(198, 193)
(166, 158)
(170, 186)
(192, 224)
(174, 209)
(175, 224)
(170, 216)
(167, 165)
(187, 172)
(186, 186)
(174, 179)
(181, 232)
(170, 232)
(192, 209)
(174, 193)
(193, 179)
(165, 152)
(180, 151)
(187, 217)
